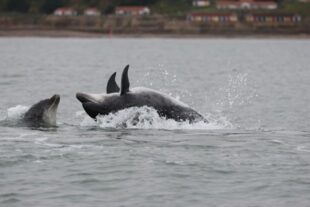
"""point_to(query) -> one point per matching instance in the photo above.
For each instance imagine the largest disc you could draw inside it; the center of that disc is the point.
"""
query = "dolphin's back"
(119, 98)
(165, 105)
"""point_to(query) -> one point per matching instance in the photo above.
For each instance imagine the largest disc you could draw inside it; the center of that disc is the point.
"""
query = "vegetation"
(168, 7)
(292, 6)
(106, 6)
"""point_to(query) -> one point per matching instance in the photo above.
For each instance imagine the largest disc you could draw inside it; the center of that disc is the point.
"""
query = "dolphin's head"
(88, 97)
(44, 112)
(95, 104)
(113, 100)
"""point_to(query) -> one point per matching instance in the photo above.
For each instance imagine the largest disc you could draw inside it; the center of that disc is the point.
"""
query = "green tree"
(18, 6)
(49, 6)
(171, 7)
(137, 2)
(3, 5)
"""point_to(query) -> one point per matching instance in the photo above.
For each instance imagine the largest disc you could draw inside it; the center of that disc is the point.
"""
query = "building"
(201, 3)
(213, 18)
(246, 4)
(65, 12)
(272, 19)
(92, 12)
(132, 11)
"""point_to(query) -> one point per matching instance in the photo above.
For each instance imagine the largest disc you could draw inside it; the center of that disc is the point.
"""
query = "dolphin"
(125, 97)
(43, 113)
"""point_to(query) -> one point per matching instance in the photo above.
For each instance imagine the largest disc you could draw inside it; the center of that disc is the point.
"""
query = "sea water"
(255, 150)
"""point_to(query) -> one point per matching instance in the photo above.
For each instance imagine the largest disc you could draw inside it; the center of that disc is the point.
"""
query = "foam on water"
(148, 118)
(14, 114)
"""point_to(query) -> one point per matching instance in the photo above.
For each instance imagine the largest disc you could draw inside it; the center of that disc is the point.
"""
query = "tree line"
(105, 6)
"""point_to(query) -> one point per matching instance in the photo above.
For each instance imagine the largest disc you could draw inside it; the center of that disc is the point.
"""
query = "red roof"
(273, 14)
(256, 1)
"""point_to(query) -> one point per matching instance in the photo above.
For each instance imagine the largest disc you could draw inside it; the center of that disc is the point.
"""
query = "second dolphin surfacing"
(43, 113)
(117, 99)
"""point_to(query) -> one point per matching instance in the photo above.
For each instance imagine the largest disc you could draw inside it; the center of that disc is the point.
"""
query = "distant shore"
(150, 26)
(47, 33)
(85, 34)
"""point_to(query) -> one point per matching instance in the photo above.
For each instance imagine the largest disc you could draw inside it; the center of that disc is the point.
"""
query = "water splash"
(233, 100)
(148, 118)
(84, 119)
(16, 113)
(167, 82)
(13, 115)
(237, 92)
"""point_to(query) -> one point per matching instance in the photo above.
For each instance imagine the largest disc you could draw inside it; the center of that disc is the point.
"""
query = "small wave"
(13, 115)
(16, 112)
(302, 149)
(148, 118)
(10, 201)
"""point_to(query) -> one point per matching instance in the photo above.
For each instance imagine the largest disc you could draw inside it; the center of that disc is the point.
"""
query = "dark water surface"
(254, 152)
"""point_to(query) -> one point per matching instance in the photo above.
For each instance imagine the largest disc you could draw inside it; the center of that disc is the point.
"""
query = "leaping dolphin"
(43, 113)
(125, 97)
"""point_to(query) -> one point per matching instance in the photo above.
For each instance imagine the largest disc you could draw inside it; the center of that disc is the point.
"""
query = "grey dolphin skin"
(43, 113)
(120, 98)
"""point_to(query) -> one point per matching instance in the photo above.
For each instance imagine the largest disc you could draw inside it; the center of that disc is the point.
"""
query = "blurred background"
(152, 17)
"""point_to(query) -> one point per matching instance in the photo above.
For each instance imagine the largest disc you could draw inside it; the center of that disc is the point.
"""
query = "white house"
(201, 3)
(65, 12)
(132, 10)
(246, 4)
(91, 12)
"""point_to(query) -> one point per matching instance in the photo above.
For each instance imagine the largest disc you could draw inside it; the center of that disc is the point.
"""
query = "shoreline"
(143, 27)
(51, 33)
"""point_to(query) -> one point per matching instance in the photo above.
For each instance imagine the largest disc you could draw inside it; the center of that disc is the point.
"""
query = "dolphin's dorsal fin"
(125, 81)
(112, 86)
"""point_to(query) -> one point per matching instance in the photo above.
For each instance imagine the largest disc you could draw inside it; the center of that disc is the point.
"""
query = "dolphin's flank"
(118, 98)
